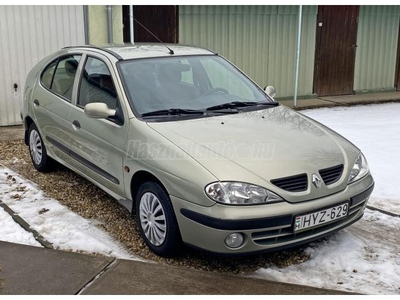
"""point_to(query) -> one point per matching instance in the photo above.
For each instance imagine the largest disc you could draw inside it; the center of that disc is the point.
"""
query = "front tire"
(41, 161)
(156, 220)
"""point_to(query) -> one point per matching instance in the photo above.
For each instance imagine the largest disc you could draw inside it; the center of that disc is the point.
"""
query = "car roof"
(136, 51)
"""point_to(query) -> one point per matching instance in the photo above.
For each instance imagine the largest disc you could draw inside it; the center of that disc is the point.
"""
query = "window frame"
(57, 60)
(78, 89)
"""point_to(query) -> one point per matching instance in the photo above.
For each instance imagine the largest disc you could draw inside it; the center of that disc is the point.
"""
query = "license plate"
(321, 217)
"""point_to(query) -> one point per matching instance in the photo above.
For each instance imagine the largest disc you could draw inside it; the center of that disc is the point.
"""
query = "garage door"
(28, 34)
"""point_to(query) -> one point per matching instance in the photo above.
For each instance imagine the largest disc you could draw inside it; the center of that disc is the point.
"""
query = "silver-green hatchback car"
(199, 152)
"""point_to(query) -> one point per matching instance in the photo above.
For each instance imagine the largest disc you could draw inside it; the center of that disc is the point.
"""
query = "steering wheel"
(215, 90)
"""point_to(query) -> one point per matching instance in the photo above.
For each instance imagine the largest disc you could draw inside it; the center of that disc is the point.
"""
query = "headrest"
(173, 67)
(70, 67)
(172, 71)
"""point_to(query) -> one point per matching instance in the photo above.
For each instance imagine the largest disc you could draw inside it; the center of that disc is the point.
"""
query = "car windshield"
(190, 83)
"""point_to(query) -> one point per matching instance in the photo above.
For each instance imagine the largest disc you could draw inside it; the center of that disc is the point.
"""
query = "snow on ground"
(12, 232)
(357, 259)
(55, 222)
(375, 129)
(365, 257)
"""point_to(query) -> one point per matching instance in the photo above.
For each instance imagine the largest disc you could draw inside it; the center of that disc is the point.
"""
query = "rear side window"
(97, 84)
(47, 75)
(59, 76)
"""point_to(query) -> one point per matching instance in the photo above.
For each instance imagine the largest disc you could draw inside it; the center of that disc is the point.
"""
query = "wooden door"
(397, 74)
(335, 49)
(161, 20)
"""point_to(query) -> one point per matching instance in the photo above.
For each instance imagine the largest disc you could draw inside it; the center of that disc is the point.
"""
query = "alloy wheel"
(152, 219)
(35, 147)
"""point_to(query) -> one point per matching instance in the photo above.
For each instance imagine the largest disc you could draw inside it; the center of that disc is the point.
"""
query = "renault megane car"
(193, 147)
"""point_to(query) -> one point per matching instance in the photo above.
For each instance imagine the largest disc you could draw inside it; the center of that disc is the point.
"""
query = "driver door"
(97, 144)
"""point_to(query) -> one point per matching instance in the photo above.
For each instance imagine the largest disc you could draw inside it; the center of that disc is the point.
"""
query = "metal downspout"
(109, 24)
(296, 80)
(132, 32)
(86, 23)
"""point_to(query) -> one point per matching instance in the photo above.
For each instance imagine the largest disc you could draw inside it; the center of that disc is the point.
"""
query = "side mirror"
(99, 110)
(270, 91)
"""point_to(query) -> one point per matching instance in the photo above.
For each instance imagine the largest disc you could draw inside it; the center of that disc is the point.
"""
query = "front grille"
(286, 233)
(297, 183)
(331, 175)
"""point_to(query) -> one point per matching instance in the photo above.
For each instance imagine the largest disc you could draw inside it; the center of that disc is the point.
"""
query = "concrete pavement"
(11, 133)
(27, 270)
(345, 100)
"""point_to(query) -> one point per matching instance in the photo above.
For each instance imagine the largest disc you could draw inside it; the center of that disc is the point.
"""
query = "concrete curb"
(383, 211)
(26, 226)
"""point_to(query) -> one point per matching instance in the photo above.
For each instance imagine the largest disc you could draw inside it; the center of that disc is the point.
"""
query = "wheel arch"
(28, 122)
(138, 179)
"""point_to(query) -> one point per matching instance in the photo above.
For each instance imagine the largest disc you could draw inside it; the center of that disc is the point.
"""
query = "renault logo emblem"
(316, 181)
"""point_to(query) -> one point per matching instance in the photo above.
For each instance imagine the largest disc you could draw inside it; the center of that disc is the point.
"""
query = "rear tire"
(156, 220)
(41, 161)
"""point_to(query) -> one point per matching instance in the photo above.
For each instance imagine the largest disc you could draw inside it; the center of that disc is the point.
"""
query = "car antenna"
(170, 50)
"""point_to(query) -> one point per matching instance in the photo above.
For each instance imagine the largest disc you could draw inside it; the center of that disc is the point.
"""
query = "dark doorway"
(397, 74)
(335, 49)
(161, 20)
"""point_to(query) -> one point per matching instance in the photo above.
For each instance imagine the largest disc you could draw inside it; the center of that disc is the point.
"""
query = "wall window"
(97, 84)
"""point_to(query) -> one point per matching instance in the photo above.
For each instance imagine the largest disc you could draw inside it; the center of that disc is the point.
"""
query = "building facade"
(343, 49)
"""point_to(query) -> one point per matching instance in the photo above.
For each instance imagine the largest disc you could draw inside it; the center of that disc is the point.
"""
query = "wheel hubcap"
(152, 219)
(35, 146)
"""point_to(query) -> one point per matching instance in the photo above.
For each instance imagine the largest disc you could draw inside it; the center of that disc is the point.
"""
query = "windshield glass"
(188, 83)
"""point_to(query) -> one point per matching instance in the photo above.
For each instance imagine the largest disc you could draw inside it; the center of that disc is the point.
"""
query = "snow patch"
(14, 233)
(63, 228)
(346, 262)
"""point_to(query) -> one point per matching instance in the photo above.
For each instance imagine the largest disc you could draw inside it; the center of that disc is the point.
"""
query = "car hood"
(259, 146)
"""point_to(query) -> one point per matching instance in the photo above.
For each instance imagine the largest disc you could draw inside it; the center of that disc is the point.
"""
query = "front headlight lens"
(360, 169)
(240, 193)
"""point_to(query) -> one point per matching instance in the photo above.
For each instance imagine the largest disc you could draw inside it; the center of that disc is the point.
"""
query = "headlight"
(360, 169)
(240, 193)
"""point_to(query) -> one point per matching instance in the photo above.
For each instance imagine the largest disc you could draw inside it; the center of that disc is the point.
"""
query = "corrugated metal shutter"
(376, 48)
(260, 40)
(28, 34)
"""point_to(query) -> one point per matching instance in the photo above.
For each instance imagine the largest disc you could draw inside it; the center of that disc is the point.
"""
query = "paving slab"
(27, 270)
(137, 278)
(11, 133)
(367, 98)
(308, 103)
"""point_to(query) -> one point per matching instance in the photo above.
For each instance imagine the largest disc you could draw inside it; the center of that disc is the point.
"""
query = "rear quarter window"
(47, 75)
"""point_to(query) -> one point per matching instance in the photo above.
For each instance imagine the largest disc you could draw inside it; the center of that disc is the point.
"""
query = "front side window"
(186, 83)
(97, 84)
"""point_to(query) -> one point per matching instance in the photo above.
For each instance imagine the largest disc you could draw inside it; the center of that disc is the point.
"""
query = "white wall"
(28, 34)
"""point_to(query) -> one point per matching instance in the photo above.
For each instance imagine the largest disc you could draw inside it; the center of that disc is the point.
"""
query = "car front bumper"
(266, 227)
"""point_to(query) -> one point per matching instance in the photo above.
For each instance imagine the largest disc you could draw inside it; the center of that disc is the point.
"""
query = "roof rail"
(116, 55)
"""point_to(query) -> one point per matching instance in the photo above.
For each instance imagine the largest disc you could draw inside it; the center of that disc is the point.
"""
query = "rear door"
(97, 144)
(52, 103)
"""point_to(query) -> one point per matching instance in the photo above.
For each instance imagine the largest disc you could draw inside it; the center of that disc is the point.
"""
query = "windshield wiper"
(173, 111)
(237, 104)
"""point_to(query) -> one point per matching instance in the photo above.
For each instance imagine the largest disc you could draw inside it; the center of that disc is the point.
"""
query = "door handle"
(36, 102)
(76, 125)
